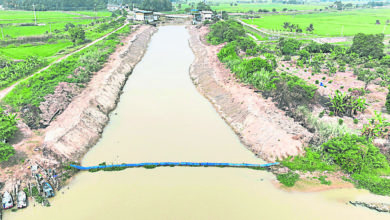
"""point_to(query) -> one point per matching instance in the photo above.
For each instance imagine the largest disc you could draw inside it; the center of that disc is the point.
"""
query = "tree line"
(66, 5)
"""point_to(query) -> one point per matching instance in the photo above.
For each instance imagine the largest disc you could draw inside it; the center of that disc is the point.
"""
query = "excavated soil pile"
(264, 128)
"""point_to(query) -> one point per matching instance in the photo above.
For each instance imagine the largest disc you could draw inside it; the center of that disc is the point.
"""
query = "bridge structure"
(170, 164)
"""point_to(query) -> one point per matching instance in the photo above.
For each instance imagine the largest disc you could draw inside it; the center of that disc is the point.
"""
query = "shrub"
(323, 180)
(354, 154)
(385, 61)
(342, 103)
(373, 183)
(6, 151)
(245, 43)
(225, 31)
(377, 126)
(355, 121)
(341, 121)
(313, 47)
(289, 46)
(331, 113)
(288, 179)
(311, 161)
(317, 82)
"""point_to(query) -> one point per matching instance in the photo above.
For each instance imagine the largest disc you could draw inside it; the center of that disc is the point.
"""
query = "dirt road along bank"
(261, 126)
(79, 127)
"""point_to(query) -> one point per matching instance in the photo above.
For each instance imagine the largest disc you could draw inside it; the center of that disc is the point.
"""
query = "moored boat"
(48, 190)
(22, 200)
(7, 201)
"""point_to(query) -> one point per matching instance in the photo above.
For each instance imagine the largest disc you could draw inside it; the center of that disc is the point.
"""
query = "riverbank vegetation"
(294, 73)
(8, 128)
(76, 69)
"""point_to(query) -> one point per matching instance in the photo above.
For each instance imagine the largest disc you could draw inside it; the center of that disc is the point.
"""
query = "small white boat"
(7, 201)
(22, 200)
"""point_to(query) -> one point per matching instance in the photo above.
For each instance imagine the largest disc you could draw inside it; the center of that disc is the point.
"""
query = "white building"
(206, 15)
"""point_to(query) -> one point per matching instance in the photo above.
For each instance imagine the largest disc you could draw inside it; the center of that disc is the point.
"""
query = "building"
(147, 16)
(206, 15)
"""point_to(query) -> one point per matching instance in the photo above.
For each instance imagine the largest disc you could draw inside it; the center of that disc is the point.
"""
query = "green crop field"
(92, 14)
(25, 50)
(346, 23)
(49, 22)
(268, 6)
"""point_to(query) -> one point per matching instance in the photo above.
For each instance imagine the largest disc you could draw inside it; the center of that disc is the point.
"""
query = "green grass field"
(48, 21)
(25, 50)
(331, 23)
(268, 6)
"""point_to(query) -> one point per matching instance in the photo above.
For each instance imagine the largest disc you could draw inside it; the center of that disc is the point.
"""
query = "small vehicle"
(48, 190)
(22, 200)
(7, 201)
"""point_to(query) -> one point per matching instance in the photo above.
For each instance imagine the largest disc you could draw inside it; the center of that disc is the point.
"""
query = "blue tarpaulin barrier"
(175, 164)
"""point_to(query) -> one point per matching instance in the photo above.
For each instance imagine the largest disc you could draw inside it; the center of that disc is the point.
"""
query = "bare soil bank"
(79, 127)
(261, 126)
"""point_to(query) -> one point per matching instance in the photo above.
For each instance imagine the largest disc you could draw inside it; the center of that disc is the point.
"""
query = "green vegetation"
(7, 130)
(323, 180)
(77, 35)
(312, 161)
(388, 101)
(346, 23)
(343, 103)
(31, 92)
(12, 71)
(225, 31)
(286, 88)
(56, 5)
(377, 126)
(24, 51)
(288, 179)
(246, 7)
(353, 154)
(368, 45)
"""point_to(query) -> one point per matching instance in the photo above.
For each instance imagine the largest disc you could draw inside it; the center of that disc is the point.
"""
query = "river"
(162, 117)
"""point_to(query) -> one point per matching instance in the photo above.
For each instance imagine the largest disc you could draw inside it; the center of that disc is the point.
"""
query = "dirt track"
(5, 91)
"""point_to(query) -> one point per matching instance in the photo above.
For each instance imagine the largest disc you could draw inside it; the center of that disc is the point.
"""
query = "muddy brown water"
(162, 117)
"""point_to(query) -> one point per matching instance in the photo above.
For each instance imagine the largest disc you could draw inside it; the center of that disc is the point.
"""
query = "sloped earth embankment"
(261, 126)
(89, 111)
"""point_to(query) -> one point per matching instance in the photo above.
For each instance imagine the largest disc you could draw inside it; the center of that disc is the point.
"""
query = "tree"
(69, 26)
(6, 151)
(203, 7)
(368, 45)
(225, 15)
(366, 76)
(274, 10)
(77, 35)
(310, 28)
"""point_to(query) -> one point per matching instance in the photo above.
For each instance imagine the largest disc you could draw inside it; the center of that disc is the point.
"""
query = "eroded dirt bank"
(72, 133)
(261, 126)
(89, 111)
